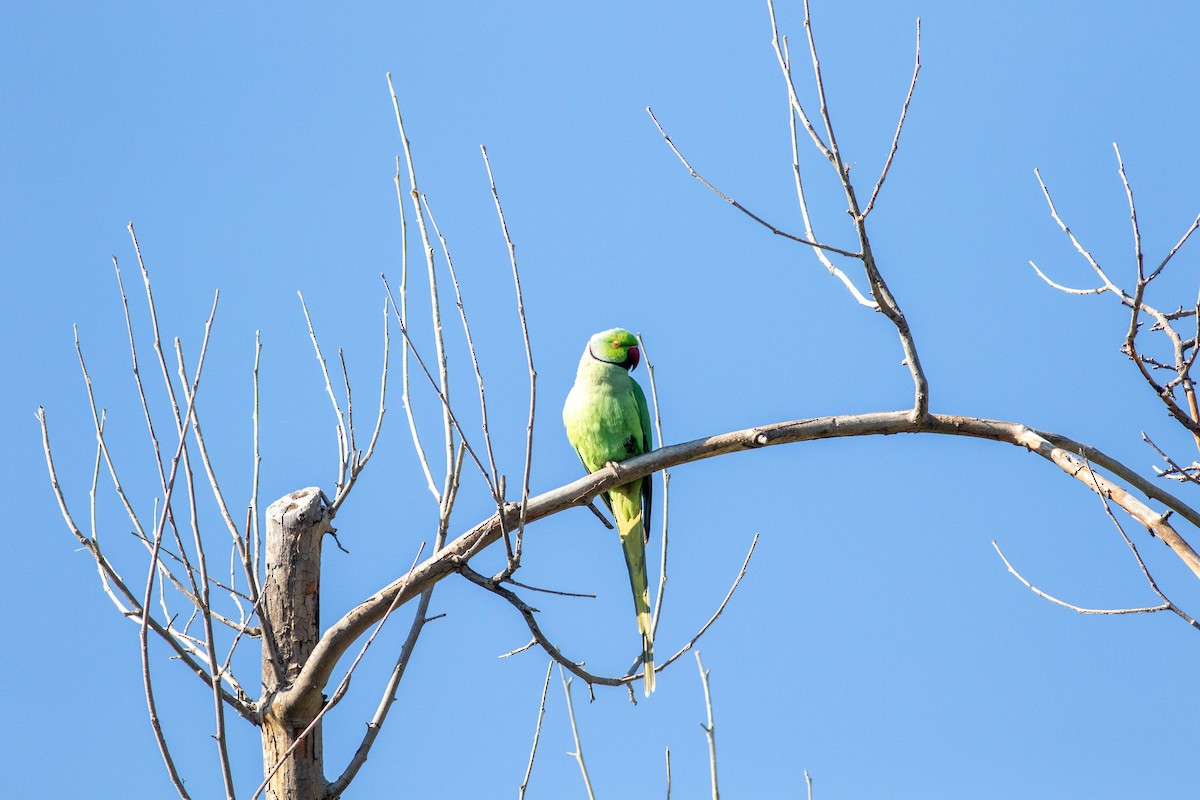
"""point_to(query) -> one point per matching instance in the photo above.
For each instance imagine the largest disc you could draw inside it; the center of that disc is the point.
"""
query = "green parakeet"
(607, 419)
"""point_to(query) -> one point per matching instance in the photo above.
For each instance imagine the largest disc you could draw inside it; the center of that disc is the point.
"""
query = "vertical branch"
(434, 302)
(833, 153)
(252, 551)
(1140, 287)
(205, 605)
(402, 315)
(137, 378)
(358, 459)
(709, 730)
(879, 288)
(793, 97)
(253, 532)
(887, 165)
(785, 64)
(383, 380)
(537, 733)
(512, 257)
(104, 583)
(494, 478)
(342, 441)
(1133, 220)
(578, 754)
(155, 559)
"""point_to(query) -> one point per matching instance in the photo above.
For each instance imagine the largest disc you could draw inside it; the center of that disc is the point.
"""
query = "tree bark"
(296, 524)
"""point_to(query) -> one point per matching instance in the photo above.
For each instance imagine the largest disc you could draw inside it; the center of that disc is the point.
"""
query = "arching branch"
(1064, 452)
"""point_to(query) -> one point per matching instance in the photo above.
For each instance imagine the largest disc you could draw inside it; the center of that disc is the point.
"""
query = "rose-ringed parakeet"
(607, 419)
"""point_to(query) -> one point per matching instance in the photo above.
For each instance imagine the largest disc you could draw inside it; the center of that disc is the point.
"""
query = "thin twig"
(402, 314)
(205, 606)
(433, 383)
(144, 627)
(899, 126)
(135, 612)
(343, 444)
(1083, 251)
(558, 592)
(738, 205)
(720, 609)
(578, 754)
(95, 540)
(462, 312)
(537, 733)
(387, 699)
(1066, 289)
(1186, 235)
(1065, 604)
(860, 298)
(1153, 584)
(1176, 472)
(515, 562)
(520, 649)
(834, 154)
(435, 308)
(141, 389)
(359, 459)
(253, 540)
(793, 97)
(710, 730)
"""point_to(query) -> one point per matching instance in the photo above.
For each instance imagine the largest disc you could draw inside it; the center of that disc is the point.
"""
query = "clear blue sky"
(877, 641)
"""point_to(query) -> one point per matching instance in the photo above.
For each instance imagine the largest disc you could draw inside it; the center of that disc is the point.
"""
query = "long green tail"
(626, 503)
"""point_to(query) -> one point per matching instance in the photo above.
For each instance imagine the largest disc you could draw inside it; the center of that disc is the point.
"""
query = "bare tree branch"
(402, 315)
(204, 608)
(434, 301)
(537, 733)
(515, 556)
(1072, 606)
(1050, 446)
(738, 205)
(720, 609)
(710, 730)
(143, 630)
(578, 754)
(494, 481)
(785, 65)
(899, 126)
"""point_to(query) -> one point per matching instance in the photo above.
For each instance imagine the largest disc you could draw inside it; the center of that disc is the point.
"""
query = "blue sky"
(877, 641)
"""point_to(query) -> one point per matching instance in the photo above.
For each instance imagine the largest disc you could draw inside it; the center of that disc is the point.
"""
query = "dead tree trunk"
(291, 596)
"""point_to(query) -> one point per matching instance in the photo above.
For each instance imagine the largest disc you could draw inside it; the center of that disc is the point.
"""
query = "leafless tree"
(177, 596)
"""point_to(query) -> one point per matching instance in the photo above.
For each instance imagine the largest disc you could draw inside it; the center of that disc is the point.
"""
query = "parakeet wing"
(648, 481)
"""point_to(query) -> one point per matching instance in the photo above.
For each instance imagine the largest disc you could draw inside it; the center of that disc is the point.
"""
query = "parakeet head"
(617, 346)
